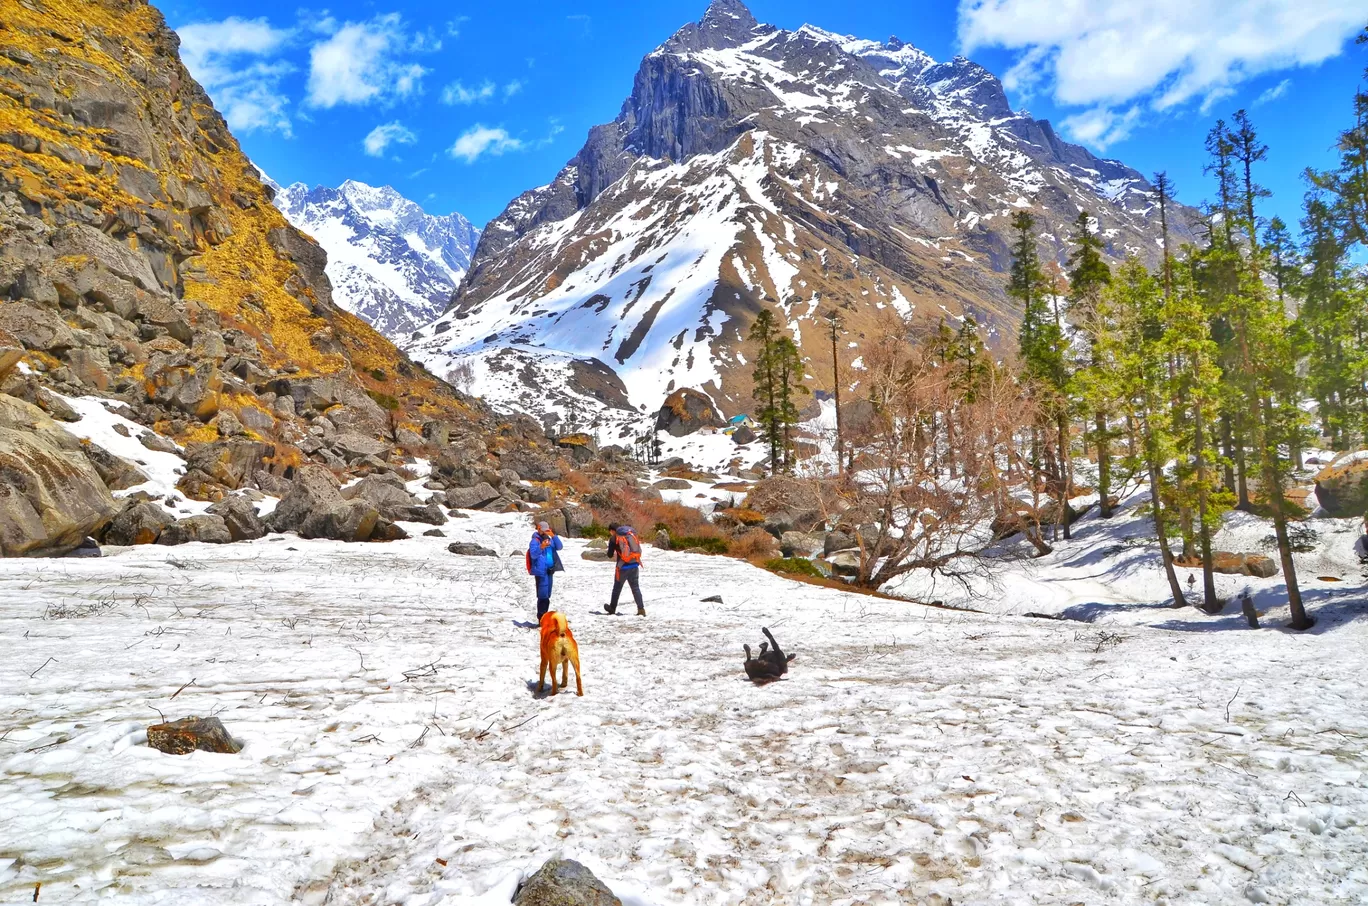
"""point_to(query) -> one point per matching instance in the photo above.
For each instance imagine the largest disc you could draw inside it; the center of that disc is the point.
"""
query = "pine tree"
(1089, 277)
(766, 392)
(1247, 151)
(1137, 373)
(788, 384)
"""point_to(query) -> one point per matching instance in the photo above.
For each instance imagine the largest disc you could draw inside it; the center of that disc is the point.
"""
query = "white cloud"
(453, 27)
(457, 93)
(1152, 54)
(1101, 127)
(357, 64)
(512, 88)
(479, 140)
(228, 58)
(381, 137)
(1273, 93)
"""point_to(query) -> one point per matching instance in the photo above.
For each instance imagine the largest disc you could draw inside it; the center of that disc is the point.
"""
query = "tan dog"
(558, 649)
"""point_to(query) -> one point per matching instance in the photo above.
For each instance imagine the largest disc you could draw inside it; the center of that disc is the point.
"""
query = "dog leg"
(579, 686)
(541, 681)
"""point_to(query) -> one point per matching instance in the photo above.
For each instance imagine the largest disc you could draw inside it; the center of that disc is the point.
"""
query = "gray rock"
(346, 520)
(207, 529)
(470, 549)
(139, 523)
(845, 563)
(434, 533)
(36, 328)
(577, 519)
(51, 497)
(671, 484)
(240, 516)
(686, 411)
(564, 882)
(837, 541)
(117, 473)
(471, 498)
(802, 544)
(357, 446)
(315, 508)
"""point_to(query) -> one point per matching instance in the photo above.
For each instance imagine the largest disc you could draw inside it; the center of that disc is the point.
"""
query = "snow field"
(395, 751)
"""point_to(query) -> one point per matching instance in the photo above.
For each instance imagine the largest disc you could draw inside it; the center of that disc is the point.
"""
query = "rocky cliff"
(800, 171)
(141, 259)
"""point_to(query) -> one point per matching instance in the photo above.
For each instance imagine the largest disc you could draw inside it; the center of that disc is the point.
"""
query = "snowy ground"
(396, 753)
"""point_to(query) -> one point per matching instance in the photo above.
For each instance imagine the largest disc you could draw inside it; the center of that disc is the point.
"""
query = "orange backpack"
(629, 550)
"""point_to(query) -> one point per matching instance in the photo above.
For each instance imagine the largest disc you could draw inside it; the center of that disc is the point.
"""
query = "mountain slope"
(755, 167)
(389, 261)
(141, 259)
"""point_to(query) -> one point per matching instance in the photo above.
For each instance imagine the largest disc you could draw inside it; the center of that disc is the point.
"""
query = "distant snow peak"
(390, 262)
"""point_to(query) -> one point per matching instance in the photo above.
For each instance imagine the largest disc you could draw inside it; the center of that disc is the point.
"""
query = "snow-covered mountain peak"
(757, 168)
(389, 261)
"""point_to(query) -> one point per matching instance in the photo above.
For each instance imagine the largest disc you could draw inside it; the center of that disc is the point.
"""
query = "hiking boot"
(641, 611)
(610, 609)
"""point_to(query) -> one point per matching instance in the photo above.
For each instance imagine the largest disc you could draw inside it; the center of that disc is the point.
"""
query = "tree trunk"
(1274, 492)
(1104, 510)
(1156, 504)
(1203, 534)
(1065, 472)
(1241, 478)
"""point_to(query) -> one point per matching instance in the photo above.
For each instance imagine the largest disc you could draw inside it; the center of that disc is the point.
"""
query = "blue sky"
(462, 107)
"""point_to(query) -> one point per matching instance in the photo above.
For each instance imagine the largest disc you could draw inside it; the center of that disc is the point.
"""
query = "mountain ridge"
(390, 262)
(802, 171)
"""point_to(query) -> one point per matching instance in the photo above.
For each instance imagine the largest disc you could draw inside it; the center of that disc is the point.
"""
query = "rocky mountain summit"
(142, 263)
(389, 261)
(751, 167)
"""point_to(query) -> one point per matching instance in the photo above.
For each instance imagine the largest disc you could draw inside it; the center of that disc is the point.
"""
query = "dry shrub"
(577, 482)
(754, 545)
(645, 515)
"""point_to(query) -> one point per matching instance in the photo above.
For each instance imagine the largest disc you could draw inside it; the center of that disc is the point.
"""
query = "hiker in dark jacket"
(544, 560)
(626, 550)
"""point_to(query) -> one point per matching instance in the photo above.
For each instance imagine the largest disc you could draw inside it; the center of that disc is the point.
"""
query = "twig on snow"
(1232, 701)
(1291, 794)
(181, 689)
(45, 663)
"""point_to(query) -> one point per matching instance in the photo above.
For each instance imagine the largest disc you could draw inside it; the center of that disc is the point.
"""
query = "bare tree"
(937, 453)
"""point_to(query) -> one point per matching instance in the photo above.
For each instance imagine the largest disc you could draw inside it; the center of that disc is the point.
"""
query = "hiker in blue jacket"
(543, 559)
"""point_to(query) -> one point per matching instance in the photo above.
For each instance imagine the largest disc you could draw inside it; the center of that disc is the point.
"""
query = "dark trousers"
(632, 578)
(543, 594)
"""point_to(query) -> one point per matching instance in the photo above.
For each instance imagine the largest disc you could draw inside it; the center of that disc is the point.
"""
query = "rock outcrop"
(141, 258)
(564, 882)
(1342, 486)
(51, 496)
(315, 508)
(686, 411)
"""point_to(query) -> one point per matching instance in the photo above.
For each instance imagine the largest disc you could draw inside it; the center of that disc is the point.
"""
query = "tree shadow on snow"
(1089, 612)
(1331, 608)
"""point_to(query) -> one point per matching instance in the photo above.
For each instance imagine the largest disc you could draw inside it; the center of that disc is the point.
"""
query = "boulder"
(686, 411)
(315, 508)
(229, 464)
(531, 465)
(118, 474)
(845, 563)
(1231, 564)
(598, 556)
(555, 519)
(181, 737)
(577, 519)
(564, 882)
(662, 540)
(354, 446)
(744, 434)
(139, 523)
(51, 497)
(206, 529)
(837, 541)
(671, 484)
(470, 549)
(1342, 486)
(36, 328)
(240, 516)
(802, 544)
(471, 498)
(387, 531)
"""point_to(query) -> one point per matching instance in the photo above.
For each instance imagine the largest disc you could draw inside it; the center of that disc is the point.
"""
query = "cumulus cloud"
(458, 93)
(358, 64)
(512, 88)
(479, 140)
(381, 137)
(1151, 55)
(231, 59)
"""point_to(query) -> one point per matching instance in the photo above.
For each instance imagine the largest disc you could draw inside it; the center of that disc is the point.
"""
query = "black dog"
(770, 664)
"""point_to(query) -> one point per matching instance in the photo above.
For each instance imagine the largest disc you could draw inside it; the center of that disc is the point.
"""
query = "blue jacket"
(545, 560)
